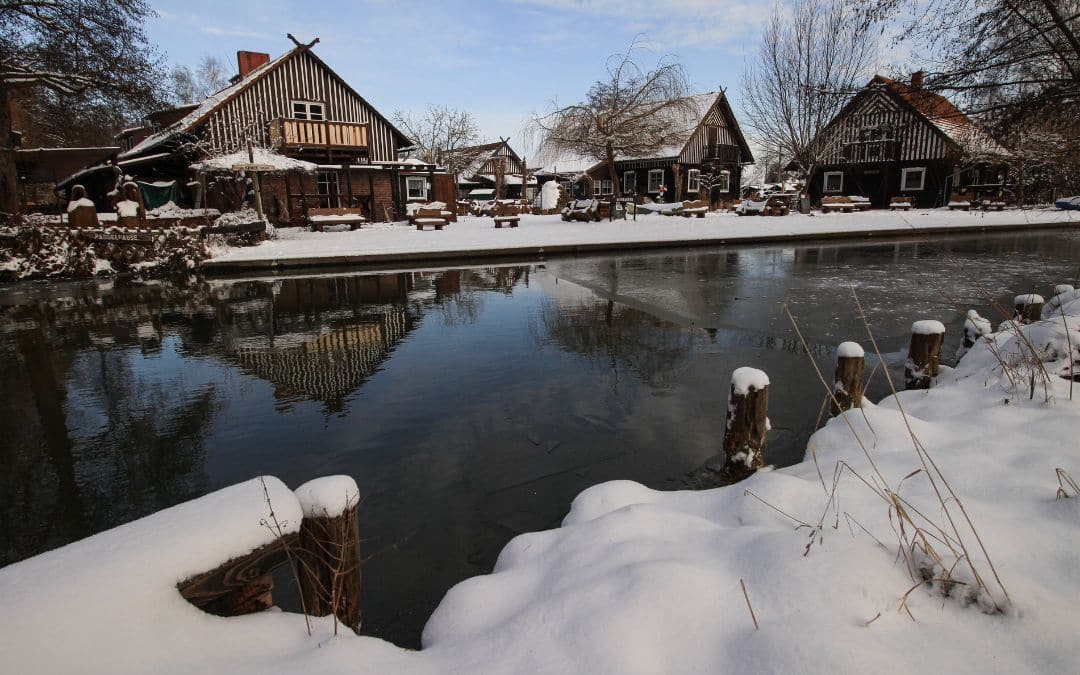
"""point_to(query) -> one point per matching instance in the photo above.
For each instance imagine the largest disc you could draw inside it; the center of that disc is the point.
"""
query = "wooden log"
(848, 379)
(330, 565)
(924, 354)
(239, 586)
(1029, 307)
(747, 424)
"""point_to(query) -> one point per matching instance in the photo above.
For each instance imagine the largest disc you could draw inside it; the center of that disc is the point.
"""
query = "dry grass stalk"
(271, 523)
(748, 605)
(1065, 483)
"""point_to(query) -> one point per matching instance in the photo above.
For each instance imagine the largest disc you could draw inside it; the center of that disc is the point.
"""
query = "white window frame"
(825, 182)
(418, 183)
(656, 179)
(322, 186)
(904, 173)
(693, 180)
(309, 110)
(629, 187)
(723, 183)
(606, 188)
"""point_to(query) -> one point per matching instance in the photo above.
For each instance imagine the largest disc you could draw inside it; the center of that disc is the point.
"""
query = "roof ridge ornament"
(301, 44)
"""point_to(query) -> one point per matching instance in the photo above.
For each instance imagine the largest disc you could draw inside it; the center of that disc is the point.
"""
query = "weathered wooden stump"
(848, 379)
(1028, 307)
(329, 556)
(240, 586)
(747, 424)
(975, 328)
(924, 354)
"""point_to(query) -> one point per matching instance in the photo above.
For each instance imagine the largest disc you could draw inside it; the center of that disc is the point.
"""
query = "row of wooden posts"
(326, 550)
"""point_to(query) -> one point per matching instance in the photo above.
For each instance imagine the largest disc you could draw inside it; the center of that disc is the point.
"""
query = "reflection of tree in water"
(608, 334)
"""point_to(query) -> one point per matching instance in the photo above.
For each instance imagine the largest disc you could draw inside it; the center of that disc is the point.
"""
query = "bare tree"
(443, 136)
(209, 77)
(812, 56)
(632, 112)
(74, 55)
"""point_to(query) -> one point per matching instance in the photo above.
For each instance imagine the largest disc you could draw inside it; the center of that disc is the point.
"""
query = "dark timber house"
(710, 152)
(299, 107)
(896, 139)
(480, 174)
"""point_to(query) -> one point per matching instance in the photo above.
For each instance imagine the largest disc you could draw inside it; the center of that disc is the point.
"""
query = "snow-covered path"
(474, 236)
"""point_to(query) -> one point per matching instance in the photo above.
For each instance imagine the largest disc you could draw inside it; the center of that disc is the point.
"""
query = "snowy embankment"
(852, 561)
(476, 236)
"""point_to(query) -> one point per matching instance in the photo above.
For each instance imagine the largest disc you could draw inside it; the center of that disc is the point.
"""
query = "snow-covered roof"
(261, 155)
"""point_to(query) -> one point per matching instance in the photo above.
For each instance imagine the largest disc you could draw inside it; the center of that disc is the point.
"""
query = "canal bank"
(540, 237)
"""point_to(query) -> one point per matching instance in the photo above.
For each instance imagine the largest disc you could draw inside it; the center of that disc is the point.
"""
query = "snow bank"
(927, 327)
(850, 350)
(549, 195)
(744, 379)
(328, 496)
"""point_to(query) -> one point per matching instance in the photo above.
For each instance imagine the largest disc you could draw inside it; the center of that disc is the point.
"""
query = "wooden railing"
(292, 132)
(721, 152)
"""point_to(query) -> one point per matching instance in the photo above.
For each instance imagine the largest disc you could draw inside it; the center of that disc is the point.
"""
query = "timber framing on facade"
(896, 139)
(295, 105)
(485, 164)
(706, 162)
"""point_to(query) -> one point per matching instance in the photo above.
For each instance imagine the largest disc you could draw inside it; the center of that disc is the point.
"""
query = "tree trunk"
(616, 189)
(9, 179)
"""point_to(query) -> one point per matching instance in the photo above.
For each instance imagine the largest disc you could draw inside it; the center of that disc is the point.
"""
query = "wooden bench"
(900, 203)
(775, 206)
(582, 209)
(837, 204)
(321, 217)
(425, 217)
(751, 207)
(505, 214)
(697, 208)
(860, 203)
(959, 201)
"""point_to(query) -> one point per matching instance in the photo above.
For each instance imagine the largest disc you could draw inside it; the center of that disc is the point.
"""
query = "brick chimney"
(249, 61)
(916, 79)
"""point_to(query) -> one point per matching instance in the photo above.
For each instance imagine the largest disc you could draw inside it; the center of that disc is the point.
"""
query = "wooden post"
(747, 423)
(330, 550)
(255, 182)
(371, 195)
(975, 327)
(924, 354)
(1028, 307)
(848, 380)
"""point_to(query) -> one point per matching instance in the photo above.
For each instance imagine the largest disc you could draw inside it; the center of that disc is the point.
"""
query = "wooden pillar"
(747, 423)
(848, 380)
(924, 354)
(348, 183)
(330, 549)
(1028, 307)
(371, 194)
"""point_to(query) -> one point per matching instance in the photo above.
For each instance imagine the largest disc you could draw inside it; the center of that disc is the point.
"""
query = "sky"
(500, 60)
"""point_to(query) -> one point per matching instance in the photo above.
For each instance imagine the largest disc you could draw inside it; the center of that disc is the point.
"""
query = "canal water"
(470, 404)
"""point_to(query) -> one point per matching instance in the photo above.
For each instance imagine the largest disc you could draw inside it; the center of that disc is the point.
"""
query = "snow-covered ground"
(476, 236)
(832, 553)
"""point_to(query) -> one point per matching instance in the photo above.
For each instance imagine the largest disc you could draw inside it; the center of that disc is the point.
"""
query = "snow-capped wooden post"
(747, 423)
(924, 354)
(975, 328)
(329, 556)
(1028, 307)
(1062, 289)
(848, 380)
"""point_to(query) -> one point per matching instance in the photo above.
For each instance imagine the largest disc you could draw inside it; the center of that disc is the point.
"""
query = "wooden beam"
(241, 585)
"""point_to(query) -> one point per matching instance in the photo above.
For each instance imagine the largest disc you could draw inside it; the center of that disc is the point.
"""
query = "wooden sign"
(253, 167)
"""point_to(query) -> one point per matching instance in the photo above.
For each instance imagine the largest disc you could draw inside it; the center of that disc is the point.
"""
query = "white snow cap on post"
(328, 496)
(1063, 288)
(850, 350)
(1028, 299)
(927, 327)
(744, 379)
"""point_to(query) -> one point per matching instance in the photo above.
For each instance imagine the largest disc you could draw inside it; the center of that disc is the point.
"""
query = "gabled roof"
(202, 110)
(941, 114)
(481, 154)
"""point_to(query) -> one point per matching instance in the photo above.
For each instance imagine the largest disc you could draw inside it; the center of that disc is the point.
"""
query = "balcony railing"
(309, 133)
(720, 152)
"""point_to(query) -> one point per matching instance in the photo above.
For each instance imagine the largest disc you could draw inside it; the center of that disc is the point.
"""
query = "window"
(723, 181)
(415, 187)
(912, 180)
(329, 194)
(606, 188)
(834, 181)
(656, 179)
(629, 182)
(307, 110)
(693, 180)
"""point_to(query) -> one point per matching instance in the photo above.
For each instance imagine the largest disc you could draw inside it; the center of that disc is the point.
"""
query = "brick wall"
(277, 202)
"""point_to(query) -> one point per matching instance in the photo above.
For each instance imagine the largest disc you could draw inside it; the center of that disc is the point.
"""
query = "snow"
(262, 156)
(549, 195)
(127, 208)
(643, 581)
(927, 327)
(172, 210)
(1028, 299)
(744, 379)
(79, 202)
(1062, 288)
(328, 496)
(849, 350)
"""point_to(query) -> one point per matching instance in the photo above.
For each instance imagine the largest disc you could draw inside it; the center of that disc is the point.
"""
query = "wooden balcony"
(292, 133)
(719, 152)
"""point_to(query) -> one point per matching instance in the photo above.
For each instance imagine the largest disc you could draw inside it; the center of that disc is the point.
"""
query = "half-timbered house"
(705, 161)
(486, 162)
(298, 106)
(897, 139)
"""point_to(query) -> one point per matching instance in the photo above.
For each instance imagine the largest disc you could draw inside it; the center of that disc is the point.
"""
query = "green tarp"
(158, 193)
